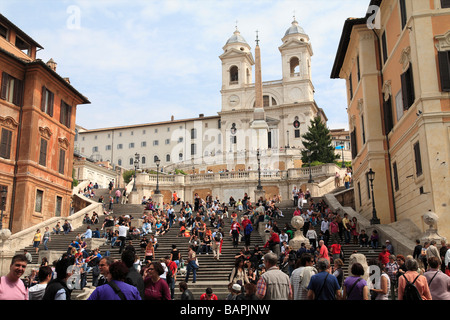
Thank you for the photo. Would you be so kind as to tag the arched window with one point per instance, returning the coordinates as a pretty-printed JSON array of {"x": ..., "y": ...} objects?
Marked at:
[
  {"x": 234, "y": 75},
  {"x": 168, "y": 157},
  {"x": 155, "y": 157},
  {"x": 143, "y": 160},
  {"x": 180, "y": 156},
  {"x": 294, "y": 66},
  {"x": 268, "y": 101}
]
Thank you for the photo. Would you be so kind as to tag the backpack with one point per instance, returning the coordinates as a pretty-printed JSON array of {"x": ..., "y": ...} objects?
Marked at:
[
  {"x": 169, "y": 275},
  {"x": 411, "y": 292},
  {"x": 218, "y": 236},
  {"x": 248, "y": 229}
]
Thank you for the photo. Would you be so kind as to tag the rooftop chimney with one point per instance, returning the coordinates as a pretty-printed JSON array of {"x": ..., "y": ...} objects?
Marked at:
[{"x": 51, "y": 64}]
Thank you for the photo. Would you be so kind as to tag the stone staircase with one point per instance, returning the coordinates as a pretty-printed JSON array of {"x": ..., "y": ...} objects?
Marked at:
[{"x": 212, "y": 273}]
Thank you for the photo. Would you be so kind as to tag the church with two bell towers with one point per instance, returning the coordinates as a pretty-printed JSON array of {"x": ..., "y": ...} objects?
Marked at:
[
  {"x": 286, "y": 105},
  {"x": 265, "y": 118}
]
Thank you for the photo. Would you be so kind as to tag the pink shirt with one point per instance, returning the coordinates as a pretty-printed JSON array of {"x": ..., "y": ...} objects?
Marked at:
[
  {"x": 324, "y": 252},
  {"x": 12, "y": 290}
]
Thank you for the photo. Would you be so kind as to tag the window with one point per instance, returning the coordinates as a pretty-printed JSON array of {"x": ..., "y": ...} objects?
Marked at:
[
  {"x": 180, "y": 139},
  {"x": 5, "y": 144},
  {"x": 388, "y": 121},
  {"x": 58, "y": 206},
  {"x": 143, "y": 143},
  {"x": 234, "y": 75},
  {"x": 297, "y": 133},
  {"x": 384, "y": 44},
  {"x": 350, "y": 86},
  {"x": 12, "y": 89},
  {"x": 62, "y": 159},
  {"x": 167, "y": 141},
  {"x": 403, "y": 15},
  {"x": 445, "y": 3},
  {"x": 65, "y": 115},
  {"x": 417, "y": 159},
  {"x": 43, "y": 152},
  {"x": 193, "y": 149},
  {"x": 47, "y": 101},
  {"x": 399, "y": 105},
  {"x": 156, "y": 130},
  {"x": 38, "y": 202},
  {"x": 3, "y": 197},
  {"x": 180, "y": 156},
  {"x": 155, "y": 142},
  {"x": 131, "y": 145},
  {"x": 131, "y": 161},
  {"x": 394, "y": 169},
  {"x": 363, "y": 130},
  {"x": 358, "y": 68},
  {"x": 108, "y": 147},
  {"x": 119, "y": 162},
  {"x": 3, "y": 32},
  {"x": 359, "y": 194},
  {"x": 143, "y": 131},
  {"x": 132, "y": 133},
  {"x": 94, "y": 149},
  {"x": 167, "y": 157},
  {"x": 444, "y": 68},
  {"x": 193, "y": 133},
  {"x": 353, "y": 143},
  {"x": 22, "y": 45},
  {"x": 120, "y": 146},
  {"x": 143, "y": 160},
  {"x": 294, "y": 64},
  {"x": 95, "y": 137},
  {"x": 408, "y": 88}
]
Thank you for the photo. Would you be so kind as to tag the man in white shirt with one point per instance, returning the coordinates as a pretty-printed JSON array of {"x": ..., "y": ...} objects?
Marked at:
[
  {"x": 122, "y": 236},
  {"x": 324, "y": 226}
]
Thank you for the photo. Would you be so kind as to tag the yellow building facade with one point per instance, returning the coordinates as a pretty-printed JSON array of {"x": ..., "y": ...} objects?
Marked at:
[{"x": 396, "y": 63}]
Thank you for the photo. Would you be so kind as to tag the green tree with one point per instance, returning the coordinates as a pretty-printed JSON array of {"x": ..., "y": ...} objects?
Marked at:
[
  {"x": 318, "y": 141},
  {"x": 127, "y": 175}
]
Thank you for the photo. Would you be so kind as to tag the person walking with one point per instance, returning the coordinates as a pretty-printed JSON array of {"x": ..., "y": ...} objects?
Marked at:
[
  {"x": 46, "y": 237},
  {"x": 438, "y": 281},
  {"x": 323, "y": 285},
  {"x": 355, "y": 287},
  {"x": 412, "y": 276},
  {"x": 191, "y": 265},
  {"x": 273, "y": 284},
  {"x": 37, "y": 240},
  {"x": 301, "y": 276},
  {"x": 116, "y": 288}
]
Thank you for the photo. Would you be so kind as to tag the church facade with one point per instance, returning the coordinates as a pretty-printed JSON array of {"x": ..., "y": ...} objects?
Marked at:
[{"x": 227, "y": 141}]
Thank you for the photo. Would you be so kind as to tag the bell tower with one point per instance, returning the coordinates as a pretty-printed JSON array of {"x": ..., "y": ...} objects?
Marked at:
[{"x": 237, "y": 64}]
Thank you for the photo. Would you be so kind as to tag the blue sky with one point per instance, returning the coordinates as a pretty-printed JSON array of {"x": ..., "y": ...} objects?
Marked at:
[{"x": 141, "y": 61}]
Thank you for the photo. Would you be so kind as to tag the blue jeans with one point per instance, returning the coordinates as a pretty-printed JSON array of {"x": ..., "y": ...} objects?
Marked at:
[
  {"x": 192, "y": 266},
  {"x": 45, "y": 244}
]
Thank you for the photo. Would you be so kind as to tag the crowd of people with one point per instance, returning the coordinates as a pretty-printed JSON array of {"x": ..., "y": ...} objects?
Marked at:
[{"x": 269, "y": 271}]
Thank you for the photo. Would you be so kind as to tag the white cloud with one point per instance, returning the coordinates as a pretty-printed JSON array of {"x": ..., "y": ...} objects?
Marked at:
[{"x": 155, "y": 58}]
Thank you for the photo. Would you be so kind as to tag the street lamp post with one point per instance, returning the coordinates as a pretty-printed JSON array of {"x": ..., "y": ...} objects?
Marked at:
[
  {"x": 157, "y": 161},
  {"x": 2, "y": 204},
  {"x": 343, "y": 163},
  {"x": 258, "y": 157},
  {"x": 310, "y": 173},
  {"x": 371, "y": 176},
  {"x": 136, "y": 166}
]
